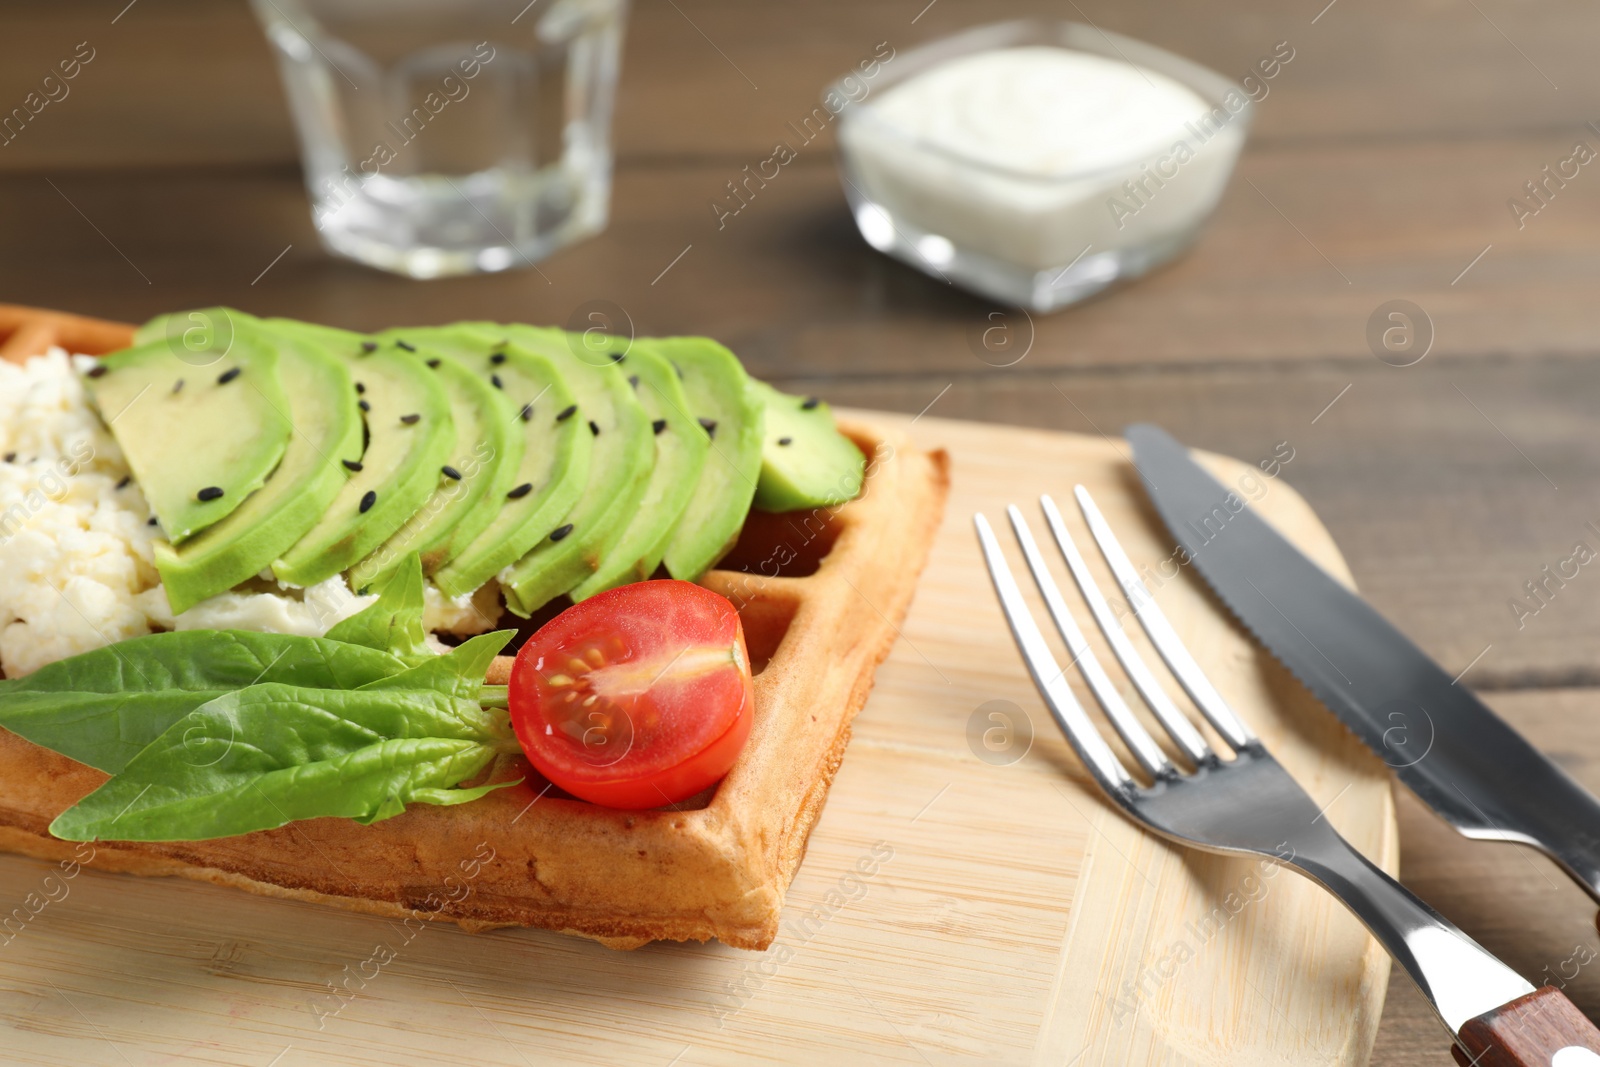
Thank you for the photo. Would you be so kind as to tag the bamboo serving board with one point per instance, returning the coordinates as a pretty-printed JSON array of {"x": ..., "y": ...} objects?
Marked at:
[{"x": 967, "y": 895}]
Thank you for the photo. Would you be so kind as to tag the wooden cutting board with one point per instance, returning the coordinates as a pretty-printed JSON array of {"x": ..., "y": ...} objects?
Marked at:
[{"x": 967, "y": 895}]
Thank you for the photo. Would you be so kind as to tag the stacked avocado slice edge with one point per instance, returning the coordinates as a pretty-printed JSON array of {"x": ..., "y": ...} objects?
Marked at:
[{"x": 558, "y": 464}]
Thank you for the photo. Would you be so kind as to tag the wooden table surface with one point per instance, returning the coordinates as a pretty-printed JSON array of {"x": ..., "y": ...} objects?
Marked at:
[{"x": 1380, "y": 168}]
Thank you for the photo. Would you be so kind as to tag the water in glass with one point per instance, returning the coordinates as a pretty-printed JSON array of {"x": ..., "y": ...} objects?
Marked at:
[{"x": 446, "y": 137}]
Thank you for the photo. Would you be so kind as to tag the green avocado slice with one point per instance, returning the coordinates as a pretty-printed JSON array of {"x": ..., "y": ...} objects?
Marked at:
[
  {"x": 805, "y": 461},
  {"x": 555, "y": 457},
  {"x": 327, "y": 429},
  {"x": 619, "y": 469},
  {"x": 486, "y": 454},
  {"x": 409, "y": 432},
  {"x": 681, "y": 446},
  {"x": 201, "y": 427},
  {"x": 719, "y": 391}
]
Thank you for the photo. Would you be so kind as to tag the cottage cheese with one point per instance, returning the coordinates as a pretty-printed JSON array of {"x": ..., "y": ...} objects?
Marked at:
[{"x": 77, "y": 569}]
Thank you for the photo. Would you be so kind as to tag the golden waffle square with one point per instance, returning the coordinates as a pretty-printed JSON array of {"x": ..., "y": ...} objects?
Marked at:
[{"x": 821, "y": 595}]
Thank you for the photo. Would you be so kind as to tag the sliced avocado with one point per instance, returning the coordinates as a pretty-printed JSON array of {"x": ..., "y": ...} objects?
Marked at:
[
  {"x": 619, "y": 469},
  {"x": 682, "y": 442},
  {"x": 485, "y": 455},
  {"x": 720, "y": 392},
  {"x": 553, "y": 462},
  {"x": 201, "y": 427},
  {"x": 327, "y": 430},
  {"x": 805, "y": 461},
  {"x": 409, "y": 434}
]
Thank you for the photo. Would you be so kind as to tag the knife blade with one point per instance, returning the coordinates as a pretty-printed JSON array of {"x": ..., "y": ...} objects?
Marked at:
[{"x": 1459, "y": 757}]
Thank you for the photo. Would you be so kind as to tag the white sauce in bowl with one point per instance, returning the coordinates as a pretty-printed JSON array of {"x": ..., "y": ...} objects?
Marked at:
[
  {"x": 1041, "y": 111},
  {"x": 1003, "y": 168}
]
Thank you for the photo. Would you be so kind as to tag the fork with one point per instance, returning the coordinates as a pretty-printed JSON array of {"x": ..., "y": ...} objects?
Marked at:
[{"x": 1249, "y": 804}]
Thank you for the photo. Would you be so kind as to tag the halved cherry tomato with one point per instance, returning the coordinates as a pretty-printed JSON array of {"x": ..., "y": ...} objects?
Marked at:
[{"x": 638, "y": 697}]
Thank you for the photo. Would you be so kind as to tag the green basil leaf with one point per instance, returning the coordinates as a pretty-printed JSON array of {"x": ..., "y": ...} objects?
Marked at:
[
  {"x": 271, "y": 754},
  {"x": 103, "y": 707},
  {"x": 394, "y": 623},
  {"x": 459, "y": 672}
]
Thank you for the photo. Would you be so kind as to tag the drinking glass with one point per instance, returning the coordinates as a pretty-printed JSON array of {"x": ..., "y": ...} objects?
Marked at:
[{"x": 444, "y": 137}]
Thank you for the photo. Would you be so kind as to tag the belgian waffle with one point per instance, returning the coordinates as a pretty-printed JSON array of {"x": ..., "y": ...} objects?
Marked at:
[{"x": 820, "y": 595}]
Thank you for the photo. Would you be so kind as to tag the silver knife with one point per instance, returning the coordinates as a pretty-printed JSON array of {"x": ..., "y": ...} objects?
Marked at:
[{"x": 1459, "y": 757}]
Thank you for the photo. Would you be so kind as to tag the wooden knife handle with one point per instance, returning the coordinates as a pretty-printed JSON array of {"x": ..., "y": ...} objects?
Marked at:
[{"x": 1542, "y": 1029}]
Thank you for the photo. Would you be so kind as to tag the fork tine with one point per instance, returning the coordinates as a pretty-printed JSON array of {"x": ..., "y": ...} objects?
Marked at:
[
  {"x": 1176, "y": 722},
  {"x": 1049, "y": 677},
  {"x": 1160, "y": 631},
  {"x": 1139, "y": 741}
]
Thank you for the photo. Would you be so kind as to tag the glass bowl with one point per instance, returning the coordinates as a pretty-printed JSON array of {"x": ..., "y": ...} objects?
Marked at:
[{"x": 1040, "y": 241}]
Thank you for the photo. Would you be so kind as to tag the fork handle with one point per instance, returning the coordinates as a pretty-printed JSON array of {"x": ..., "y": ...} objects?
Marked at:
[
  {"x": 1533, "y": 1028},
  {"x": 1542, "y": 1029}
]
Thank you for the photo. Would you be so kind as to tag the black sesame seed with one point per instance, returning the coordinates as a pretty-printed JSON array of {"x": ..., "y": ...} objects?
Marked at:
[
  {"x": 786, "y": 441},
  {"x": 152, "y": 521},
  {"x": 618, "y": 357},
  {"x": 363, "y": 405},
  {"x": 361, "y": 387},
  {"x": 494, "y": 380},
  {"x": 402, "y": 344},
  {"x": 526, "y": 412},
  {"x": 433, "y": 363},
  {"x": 633, "y": 380},
  {"x": 351, "y": 464},
  {"x": 567, "y": 413},
  {"x": 451, "y": 473},
  {"x": 498, "y": 358},
  {"x": 229, "y": 375},
  {"x": 210, "y": 492},
  {"x": 98, "y": 370},
  {"x": 368, "y": 500},
  {"x": 560, "y": 532},
  {"x": 369, "y": 346},
  {"x": 659, "y": 425},
  {"x": 177, "y": 387},
  {"x": 593, "y": 428},
  {"x": 709, "y": 426},
  {"x": 520, "y": 491},
  {"x": 11, "y": 457},
  {"x": 127, "y": 480},
  {"x": 808, "y": 403},
  {"x": 410, "y": 420}
]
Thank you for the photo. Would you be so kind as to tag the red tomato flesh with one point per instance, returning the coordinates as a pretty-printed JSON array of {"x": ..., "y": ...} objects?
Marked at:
[{"x": 637, "y": 697}]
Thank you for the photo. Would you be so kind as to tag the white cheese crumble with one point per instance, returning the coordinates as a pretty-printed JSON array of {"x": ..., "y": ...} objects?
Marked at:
[
  {"x": 312, "y": 614},
  {"x": 77, "y": 570}
]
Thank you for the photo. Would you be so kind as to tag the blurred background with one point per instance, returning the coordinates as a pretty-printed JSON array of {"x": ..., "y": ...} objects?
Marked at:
[{"x": 1383, "y": 164}]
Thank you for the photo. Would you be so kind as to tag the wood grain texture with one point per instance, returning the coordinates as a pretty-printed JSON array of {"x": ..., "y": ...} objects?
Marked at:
[
  {"x": 1432, "y": 478},
  {"x": 1439, "y": 513},
  {"x": 1392, "y": 142},
  {"x": 791, "y": 286},
  {"x": 1513, "y": 901},
  {"x": 182, "y": 82},
  {"x": 1009, "y": 916},
  {"x": 1531, "y": 1031}
]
